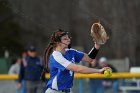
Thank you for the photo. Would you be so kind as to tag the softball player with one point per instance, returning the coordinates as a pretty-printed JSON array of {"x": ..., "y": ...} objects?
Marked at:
[{"x": 60, "y": 60}]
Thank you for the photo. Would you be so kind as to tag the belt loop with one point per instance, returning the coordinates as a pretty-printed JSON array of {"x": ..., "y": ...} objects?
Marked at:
[{"x": 66, "y": 90}]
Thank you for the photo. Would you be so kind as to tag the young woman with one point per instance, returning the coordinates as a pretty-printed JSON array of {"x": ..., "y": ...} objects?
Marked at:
[{"x": 60, "y": 59}]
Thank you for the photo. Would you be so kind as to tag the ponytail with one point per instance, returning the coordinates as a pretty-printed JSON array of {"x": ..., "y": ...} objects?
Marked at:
[{"x": 46, "y": 56}]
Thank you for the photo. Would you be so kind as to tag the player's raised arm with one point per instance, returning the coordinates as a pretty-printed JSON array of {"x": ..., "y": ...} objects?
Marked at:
[{"x": 91, "y": 56}]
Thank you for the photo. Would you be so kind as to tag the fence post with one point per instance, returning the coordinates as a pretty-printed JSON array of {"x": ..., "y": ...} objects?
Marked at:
[{"x": 80, "y": 85}]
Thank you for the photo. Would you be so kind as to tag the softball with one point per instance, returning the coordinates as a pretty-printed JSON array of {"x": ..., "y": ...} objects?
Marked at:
[{"x": 108, "y": 72}]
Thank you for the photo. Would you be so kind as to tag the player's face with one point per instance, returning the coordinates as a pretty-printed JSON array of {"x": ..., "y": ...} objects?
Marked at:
[
  {"x": 18, "y": 61},
  {"x": 32, "y": 53},
  {"x": 65, "y": 40}
]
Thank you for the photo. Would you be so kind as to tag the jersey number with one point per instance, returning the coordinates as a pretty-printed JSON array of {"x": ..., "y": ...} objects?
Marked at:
[{"x": 70, "y": 73}]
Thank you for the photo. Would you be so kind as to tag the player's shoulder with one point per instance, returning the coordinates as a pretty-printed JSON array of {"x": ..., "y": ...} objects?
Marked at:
[
  {"x": 55, "y": 54},
  {"x": 70, "y": 50}
]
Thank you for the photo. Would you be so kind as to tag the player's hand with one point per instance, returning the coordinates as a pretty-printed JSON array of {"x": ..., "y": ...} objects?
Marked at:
[
  {"x": 97, "y": 46},
  {"x": 103, "y": 69},
  {"x": 19, "y": 85}
]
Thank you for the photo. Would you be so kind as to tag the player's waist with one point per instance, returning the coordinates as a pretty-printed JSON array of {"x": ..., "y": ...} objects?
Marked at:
[{"x": 63, "y": 90}]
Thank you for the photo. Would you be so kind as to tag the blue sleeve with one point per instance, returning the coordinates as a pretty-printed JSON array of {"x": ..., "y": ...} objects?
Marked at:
[{"x": 78, "y": 56}]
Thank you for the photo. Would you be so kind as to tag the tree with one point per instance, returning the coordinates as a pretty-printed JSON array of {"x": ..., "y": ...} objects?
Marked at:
[{"x": 9, "y": 30}]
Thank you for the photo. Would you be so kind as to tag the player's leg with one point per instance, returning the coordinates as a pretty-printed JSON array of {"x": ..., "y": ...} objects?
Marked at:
[
  {"x": 115, "y": 86},
  {"x": 51, "y": 91},
  {"x": 29, "y": 87},
  {"x": 54, "y": 91},
  {"x": 39, "y": 87}
]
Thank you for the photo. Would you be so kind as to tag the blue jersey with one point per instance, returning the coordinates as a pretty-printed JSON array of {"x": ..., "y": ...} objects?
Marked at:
[
  {"x": 60, "y": 77},
  {"x": 30, "y": 69}
]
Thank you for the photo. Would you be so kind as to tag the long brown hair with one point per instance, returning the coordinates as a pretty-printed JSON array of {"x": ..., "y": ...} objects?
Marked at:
[{"x": 56, "y": 37}]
